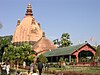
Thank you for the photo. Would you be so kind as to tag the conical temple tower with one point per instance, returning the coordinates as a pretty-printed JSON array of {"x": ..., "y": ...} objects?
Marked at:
[{"x": 28, "y": 30}]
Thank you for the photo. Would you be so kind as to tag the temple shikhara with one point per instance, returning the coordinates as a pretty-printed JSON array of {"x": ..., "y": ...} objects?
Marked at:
[{"x": 28, "y": 30}]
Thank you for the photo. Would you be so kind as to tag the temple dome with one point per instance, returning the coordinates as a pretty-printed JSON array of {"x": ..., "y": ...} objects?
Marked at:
[{"x": 43, "y": 45}]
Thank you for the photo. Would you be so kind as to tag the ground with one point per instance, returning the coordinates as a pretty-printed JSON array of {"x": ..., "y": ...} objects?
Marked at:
[{"x": 68, "y": 70}]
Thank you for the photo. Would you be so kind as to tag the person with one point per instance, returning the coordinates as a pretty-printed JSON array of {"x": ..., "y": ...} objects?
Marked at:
[
  {"x": 4, "y": 69},
  {"x": 8, "y": 69},
  {"x": 31, "y": 67},
  {"x": 40, "y": 66},
  {"x": 34, "y": 72},
  {"x": 29, "y": 73},
  {"x": 46, "y": 67},
  {"x": 24, "y": 64}
]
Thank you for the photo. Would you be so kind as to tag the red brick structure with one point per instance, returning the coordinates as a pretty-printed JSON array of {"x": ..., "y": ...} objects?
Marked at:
[
  {"x": 79, "y": 53},
  {"x": 86, "y": 48}
]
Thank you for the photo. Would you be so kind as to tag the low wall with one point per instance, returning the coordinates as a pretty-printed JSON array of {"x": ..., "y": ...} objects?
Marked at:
[{"x": 87, "y": 64}]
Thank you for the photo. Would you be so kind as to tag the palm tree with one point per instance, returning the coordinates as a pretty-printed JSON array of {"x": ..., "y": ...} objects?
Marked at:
[
  {"x": 56, "y": 42},
  {"x": 65, "y": 40}
]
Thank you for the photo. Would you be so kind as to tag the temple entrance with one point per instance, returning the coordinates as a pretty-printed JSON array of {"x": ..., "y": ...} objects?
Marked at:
[{"x": 85, "y": 56}]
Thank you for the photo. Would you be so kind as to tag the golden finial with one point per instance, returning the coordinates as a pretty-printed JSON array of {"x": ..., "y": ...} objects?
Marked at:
[{"x": 29, "y": 10}]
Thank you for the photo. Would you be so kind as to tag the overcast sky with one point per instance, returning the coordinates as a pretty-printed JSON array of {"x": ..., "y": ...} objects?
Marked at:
[{"x": 79, "y": 18}]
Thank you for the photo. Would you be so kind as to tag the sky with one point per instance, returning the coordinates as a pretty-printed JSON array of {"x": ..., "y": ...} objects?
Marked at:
[{"x": 79, "y": 18}]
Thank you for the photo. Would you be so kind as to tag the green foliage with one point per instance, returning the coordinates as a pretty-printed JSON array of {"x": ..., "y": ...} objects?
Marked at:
[
  {"x": 56, "y": 42},
  {"x": 12, "y": 53},
  {"x": 64, "y": 40},
  {"x": 61, "y": 59},
  {"x": 9, "y": 53},
  {"x": 19, "y": 54},
  {"x": 42, "y": 58},
  {"x": 98, "y": 53},
  {"x": 66, "y": 60},
  {"x": 94, "y": 47},
  {"x": 27, "y": 52},
  {"x": 4, "y": 42},
  {"x": 24, "y": 53}
]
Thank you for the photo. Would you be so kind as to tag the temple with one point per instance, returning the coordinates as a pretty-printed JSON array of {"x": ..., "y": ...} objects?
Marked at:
[{"x": 28, "y": 30}]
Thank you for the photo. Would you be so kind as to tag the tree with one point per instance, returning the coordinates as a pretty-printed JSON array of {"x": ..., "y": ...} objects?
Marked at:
[
  {"x": 98, "y": 53},
  {"x": 27, "y": 53},
  {"x": 9, "y": 54},
  {"x": 56, "y": 42},
  {"x": 42, "y": 58},
  {"x": 12, "y": 53},
  {"x": 19, "y": 54},
  {"x": 4, "y": 42},
  {"x": 64, "y": 40}
]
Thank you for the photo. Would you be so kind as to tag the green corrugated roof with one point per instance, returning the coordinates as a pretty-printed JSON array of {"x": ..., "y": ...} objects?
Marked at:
[{"x": 63, "y": 51}]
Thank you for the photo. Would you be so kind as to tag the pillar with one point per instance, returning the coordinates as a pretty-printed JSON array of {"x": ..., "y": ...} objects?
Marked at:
[
  {"x": 76, "y": 58},
  {"x": 51, "y": 59},
  {"x": 69, "y": 58},
  {"x": 57, "y": 59}
]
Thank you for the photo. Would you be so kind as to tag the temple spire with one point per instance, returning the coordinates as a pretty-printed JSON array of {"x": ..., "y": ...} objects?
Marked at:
[
  {"x": 29, "y": 10},
  {"x": 18, "y": 22}
]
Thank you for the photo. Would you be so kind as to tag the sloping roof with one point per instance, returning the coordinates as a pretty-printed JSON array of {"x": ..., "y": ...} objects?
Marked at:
[
  {"x": 63, "y": 51},
  {"x": 43, "y": 44}
]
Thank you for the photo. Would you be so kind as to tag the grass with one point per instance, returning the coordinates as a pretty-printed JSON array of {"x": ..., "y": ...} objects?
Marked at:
[{"x": 93, "y": 70}]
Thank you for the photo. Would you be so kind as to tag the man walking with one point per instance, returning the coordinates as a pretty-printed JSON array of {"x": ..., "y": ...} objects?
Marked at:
[{"x": 40, "y": 66}]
